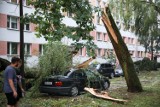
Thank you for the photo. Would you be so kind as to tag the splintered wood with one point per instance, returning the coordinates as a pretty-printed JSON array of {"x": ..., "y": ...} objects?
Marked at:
[{"x": 102, "y": 94}]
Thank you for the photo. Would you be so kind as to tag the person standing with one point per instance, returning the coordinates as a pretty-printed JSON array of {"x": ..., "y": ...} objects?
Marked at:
[
  {"x": 10, "y": 83},
  {"x": 20, "y": 89}
]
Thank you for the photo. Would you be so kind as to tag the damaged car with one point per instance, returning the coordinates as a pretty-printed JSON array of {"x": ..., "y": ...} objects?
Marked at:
[{"x": 73, "y": 82}]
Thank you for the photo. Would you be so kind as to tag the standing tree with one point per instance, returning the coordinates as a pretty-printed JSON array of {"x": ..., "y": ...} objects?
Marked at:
[
  {"x": 141, "y": 17},
  {"x": 122, "y": 52}
]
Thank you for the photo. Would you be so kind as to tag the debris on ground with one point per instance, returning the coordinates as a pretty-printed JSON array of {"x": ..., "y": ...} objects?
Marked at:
[{"x": 102, "y": 94}]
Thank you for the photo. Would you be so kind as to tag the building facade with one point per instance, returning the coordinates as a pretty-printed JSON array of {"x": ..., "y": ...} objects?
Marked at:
[{"x": 33, "y": 46}]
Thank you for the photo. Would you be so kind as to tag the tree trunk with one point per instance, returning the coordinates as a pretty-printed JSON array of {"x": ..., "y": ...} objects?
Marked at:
[
  {"x": 152, "y": 48},
  {"x": 3, "y": 64},
  {"x": 122, "y": 52}
]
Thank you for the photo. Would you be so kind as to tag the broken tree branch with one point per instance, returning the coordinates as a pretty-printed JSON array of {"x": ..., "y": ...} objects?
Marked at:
[{"x": 103, "y": 94}]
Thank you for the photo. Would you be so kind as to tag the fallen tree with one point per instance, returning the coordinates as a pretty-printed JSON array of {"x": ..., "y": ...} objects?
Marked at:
[{"x": 122, "y": 52}]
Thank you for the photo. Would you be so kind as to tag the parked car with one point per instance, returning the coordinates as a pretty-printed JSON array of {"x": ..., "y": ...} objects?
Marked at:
[
  {"x": 106, "y": 69},
  {"x": 118, "y": 71},
  {"x": 73, "y": 82}
]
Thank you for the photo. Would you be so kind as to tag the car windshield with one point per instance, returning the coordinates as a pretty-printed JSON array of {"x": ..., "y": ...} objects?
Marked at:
[{"x": 67, "y": 73}]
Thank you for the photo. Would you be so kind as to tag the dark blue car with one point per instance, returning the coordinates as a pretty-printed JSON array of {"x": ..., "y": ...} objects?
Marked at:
[{"x": 73, "y": 82}]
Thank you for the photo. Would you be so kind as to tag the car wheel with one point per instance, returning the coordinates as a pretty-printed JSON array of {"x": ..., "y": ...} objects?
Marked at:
[
  {"x": 105, "y": 85},
  {"x": 111, "y": 75},
  {"x": 74, "y": 91}
]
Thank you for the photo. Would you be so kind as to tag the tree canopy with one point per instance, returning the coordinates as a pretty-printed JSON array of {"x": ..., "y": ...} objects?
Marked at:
[
  {"x": 141, "y": 17},
  {"x": 49, "y": 16}
]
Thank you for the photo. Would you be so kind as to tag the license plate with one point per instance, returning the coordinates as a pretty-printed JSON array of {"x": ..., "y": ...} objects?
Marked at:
[{"x": 48, "y": 83}]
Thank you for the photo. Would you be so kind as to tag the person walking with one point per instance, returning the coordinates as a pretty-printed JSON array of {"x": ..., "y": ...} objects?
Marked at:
[{"x": 10, "y": 83}]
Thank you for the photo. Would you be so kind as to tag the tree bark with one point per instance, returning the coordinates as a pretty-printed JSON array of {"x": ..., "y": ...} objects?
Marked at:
[
  {"x": 151, "y": 48},
  {"x": 3, "y": 64},
  {"x": 122, "y": 52}
]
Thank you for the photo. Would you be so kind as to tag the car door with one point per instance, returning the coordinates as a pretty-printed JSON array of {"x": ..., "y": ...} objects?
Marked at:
[
  {"x": 80, "y": 78},
  {"x": 107, "y": 69}
]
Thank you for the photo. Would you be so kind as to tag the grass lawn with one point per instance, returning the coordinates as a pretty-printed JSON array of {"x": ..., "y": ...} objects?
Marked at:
[{"x": 150, "y": 97}]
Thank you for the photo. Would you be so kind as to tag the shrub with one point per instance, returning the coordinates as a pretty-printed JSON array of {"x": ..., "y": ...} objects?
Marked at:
[
  {"x": 56, "y": 59},
  {"x": 146, "y": 64},
  {"x": 158, "y": 64}
]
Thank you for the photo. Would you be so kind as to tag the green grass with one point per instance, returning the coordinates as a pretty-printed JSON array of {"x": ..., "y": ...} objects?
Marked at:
[{"x": 150, "y": 97}]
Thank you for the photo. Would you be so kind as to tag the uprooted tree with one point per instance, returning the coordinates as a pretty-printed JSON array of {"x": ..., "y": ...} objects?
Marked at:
[{"x": 122, "y": 52}]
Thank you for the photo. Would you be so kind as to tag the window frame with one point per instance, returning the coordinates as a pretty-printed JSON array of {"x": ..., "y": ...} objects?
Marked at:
[
  {"x": 25, "y": 2},
  {"x": 99, "y": 52},
  {"x": 98, "y": 20},
  {"x": 80, "y": 52},
  {"x": 14, "y": 2},
  {"x": 27, "y": 48},
  {"x": 98, "y": 36},
  {"x": 10, "y": 49},
  {"x": 25, "y": 27},
  {"x": 41, "y": 49},
  {"x": 104, "y": 37},
  {"x": 10, "y": 22}
]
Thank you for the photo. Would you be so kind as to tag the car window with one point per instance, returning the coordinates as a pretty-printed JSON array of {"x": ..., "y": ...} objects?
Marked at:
[
  {"x": 103, "y": 65},
  {"x": 77, "y": 74},
  {"x": 67, "y": 72}
]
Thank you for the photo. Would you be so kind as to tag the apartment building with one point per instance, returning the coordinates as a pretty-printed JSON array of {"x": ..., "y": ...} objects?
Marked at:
[{"x": 10, "y": 36}]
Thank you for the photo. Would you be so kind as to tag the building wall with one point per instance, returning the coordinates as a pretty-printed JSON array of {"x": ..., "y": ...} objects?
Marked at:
[
  {"x": 12, "y": 35},
  {"x": 3, "y": 47}
]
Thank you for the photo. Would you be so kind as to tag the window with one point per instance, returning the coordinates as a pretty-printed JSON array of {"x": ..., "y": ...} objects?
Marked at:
[
  {"x": 41, "y": 49},
  {"x": 27, "y": 49},
  {"x": 98, "y": 36},
  {"x": 104, "y": 34},
  {"x": 12, "y": 48},
  {"x": 27, "y": 27},
  {"x": 106, "y": 53},
  {"x": 132, "y": 40},
  {"x": 124, "y": 39},
  {"x": 14, "y": 1},
  {"x": 99, "y": 52},
  {"x": 25, "y": 2},
  {"x": 80, "y": 52},
  {"x": 12, "y": 22},
  {"x": 129, "y": 40},
  {"x": 139, "y": 54},
  {"x": 87, "y": 54},
  {"x": 98, "y": 2},
  {"x": 98, "y": 20}
]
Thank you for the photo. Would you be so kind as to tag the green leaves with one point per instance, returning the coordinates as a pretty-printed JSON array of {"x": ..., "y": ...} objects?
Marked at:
[
  {"x": 139, "y": 15},
  {"x": 49, "y": 14}
]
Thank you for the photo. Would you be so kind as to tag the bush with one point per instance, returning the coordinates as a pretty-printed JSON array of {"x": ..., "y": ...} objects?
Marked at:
[
  {"x": 158, "y": 64},
  {"x": 56, "y": 59},
  {"x": 31, "y": 73},
  {"x": 146, "y": 64}
]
